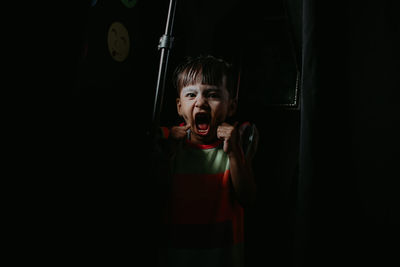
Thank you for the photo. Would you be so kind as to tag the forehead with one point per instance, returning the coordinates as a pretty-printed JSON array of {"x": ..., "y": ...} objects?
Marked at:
[{"x": 200, "y": 87}]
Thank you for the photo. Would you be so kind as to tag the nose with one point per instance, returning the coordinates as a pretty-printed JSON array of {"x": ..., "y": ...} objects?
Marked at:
[{"x": 201, "y": 102}]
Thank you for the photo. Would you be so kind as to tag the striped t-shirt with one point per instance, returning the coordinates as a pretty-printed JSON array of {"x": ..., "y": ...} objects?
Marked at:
[{"x": 203, "y": 219}]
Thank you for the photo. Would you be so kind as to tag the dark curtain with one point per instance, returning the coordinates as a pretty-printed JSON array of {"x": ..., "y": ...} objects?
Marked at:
[{"x": 347, "y": 195}]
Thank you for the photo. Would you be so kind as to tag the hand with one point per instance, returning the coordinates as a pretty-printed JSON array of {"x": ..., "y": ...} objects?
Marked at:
[
  {"x": 229, "y": 134},
  {"x": 179, "y": 132}
]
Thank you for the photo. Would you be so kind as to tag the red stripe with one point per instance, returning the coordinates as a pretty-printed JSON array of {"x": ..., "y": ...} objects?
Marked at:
[
  {"x": 195, "y": 195},
  {"x": 205, "y": 199},
  {"x": 165, "y": 131}
]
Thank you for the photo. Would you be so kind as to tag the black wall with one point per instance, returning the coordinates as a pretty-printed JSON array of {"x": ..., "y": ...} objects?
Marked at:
[{"x": 347, "y": 202}]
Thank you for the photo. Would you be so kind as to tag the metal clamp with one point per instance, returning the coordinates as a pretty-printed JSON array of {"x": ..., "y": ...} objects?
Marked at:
[{"x": 166, "y": 41}]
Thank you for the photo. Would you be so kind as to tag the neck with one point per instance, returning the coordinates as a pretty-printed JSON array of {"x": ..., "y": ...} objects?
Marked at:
[{"x": 202, "y": 140}]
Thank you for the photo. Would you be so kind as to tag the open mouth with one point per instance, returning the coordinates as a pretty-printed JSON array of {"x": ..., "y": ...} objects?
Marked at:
[{"x": 202, "y": 121}]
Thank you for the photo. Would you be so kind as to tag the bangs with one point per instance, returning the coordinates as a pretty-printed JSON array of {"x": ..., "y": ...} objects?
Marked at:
[
  {"x": 200, "y": 74},
  {"x": 190, "y": 76},
  {"x": 206, "y": 70}
]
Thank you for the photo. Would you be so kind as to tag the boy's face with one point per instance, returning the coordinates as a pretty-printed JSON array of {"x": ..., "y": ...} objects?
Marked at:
[{"x": 204, "y": 107}]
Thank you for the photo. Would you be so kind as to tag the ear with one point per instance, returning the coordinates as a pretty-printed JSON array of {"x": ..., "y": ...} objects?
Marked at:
[
  {"x": 178, "y": 106},
  {"x": 232, "y": 107}
]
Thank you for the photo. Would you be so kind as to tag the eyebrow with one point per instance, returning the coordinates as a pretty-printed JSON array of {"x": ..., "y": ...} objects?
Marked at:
[
  {"x": 213, "y": 90},
  {"x": 208, "y": 88}
]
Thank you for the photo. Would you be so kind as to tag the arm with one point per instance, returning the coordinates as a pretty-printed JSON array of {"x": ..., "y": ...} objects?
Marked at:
[
  {"x": 240, "y": 164},
  {"x": 170, "y": 137},
  {"x": 174, "y": 132}
]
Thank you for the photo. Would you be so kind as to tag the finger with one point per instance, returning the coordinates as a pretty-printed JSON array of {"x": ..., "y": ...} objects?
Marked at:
[
  {"x": 186, "y": 127},
  {"x": 226, "y": 146},
  {"x": 220, "y": 134}
]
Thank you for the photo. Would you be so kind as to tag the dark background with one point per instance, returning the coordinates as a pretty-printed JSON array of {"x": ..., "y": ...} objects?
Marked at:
[
  {"x": 347, "y": 204},
  {"x": 325, "y": 168}
]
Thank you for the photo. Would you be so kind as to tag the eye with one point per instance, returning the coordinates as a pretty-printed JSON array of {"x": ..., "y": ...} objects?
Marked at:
[
  {"x": 213, "y": 95},
  {"x": 190, "y": 95}
]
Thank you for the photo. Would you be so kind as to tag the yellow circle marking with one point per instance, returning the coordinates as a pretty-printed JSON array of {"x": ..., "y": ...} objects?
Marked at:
[{"x": 118, "y": 41}]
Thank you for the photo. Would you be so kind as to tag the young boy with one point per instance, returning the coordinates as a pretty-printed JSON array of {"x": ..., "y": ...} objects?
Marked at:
[{"x": 211, "y": 172}]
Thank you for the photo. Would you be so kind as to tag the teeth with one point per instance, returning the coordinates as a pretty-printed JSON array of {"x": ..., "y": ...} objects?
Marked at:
[{"x": 202, "y": 121}]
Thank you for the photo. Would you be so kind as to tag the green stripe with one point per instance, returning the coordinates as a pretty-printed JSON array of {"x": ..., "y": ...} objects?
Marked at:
[{"x": 201, "y": 161}]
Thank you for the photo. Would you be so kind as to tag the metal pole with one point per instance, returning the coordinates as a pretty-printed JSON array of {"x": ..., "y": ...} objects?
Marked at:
[{"x": 165, "y": 46}]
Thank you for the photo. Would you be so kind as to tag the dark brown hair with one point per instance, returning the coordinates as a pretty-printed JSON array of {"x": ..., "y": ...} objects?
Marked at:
[{"x": 206, "y": 70}]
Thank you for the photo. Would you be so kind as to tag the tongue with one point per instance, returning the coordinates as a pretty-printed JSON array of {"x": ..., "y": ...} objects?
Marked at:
[{"x": 202, "y": 126}]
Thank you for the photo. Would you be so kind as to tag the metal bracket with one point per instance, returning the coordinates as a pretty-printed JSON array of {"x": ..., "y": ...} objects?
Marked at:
[{"x": 166, "y": 41}]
